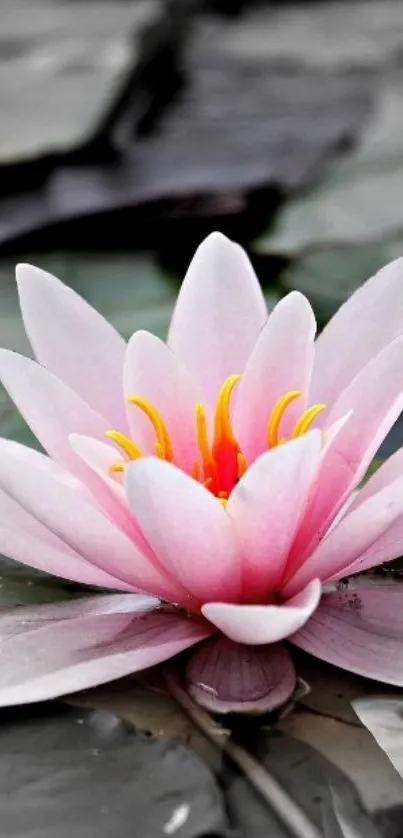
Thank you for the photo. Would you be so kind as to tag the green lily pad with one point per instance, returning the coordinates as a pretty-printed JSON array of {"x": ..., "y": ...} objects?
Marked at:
[
  {"x": 63, "y": 68},
  {"x": 20, "y": 585},
  {"x": 359, "y": 200},
  {"x": 67, "y": 771},
  {"x": 339, "y": 234}
]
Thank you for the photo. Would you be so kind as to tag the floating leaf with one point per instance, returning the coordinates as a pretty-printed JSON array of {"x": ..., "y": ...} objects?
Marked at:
[
  {"x": 384, "y": 719},
  {"x": 21, "y": 585},
  {"x": 307, "y": 777},
  {"x": 339, "y": 821},
  {"x": 66, "y": 771},
  {"x": 63, "y": 68}
]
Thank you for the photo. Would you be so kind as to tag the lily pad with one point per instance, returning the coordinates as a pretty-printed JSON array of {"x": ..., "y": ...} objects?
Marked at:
[
  {"x": 63, "y": 66},
  {"x": 339, "y": 234},
  {"x": 66, "y": 771},
  {"x": 22, "y": 586},
  {"x": 239, "y": 124},
  {"x": 383, "y": 716},
  {"x": 309, "y": 779},
  {"x": 329, "y": 275},
  {"x": 324, "y": 35},
  {"x": 325, "y": 721}
]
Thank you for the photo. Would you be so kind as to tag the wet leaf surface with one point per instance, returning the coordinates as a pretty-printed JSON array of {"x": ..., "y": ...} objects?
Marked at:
[
  {"x": 239, "y": 124},
  {"x": 21, "y": 585},
  {"x": 324, "y": 35},
  {"x": 307, "y": 776},
  {"x": 68, "y": 772},
  {"x": 63, "y": 68},
  {"x": 383, "y": 716},
  {"x": 323, "y": 720}
]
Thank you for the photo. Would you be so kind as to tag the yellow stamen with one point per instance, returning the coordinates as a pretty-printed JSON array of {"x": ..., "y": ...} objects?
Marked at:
[
  {"x": 202, "y": 436},
  {"x": 223, "y": 501},
  {"x": 241, "y": 464},
  {"x": 159, "y": 450},
  {"x": 222, "y": 420},
  {"x": 305, "y": 421},
  {"x": 165, "y": 449},
  {"x": 116, "y": 467},
  {"x": 130, "y": 448},
  {"x": 277, "y": 414}
]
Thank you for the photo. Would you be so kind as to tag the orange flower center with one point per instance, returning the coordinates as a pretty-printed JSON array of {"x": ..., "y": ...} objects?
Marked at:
[{"x": 220, "y": 462}]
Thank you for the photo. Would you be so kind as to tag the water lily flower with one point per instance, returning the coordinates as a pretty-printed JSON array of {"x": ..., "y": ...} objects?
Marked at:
[{"x": 208, "y": 484}]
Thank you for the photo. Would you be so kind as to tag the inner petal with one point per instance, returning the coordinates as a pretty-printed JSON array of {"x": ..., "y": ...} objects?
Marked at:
[{"x": 219, "y": 463}]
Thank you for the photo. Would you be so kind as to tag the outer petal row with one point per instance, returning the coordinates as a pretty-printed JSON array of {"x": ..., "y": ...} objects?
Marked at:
[
  {"x": 359, "y": 629},
  {"x": 62, "y": 648}
]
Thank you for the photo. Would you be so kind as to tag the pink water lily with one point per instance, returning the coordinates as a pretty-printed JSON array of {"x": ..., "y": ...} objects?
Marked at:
[{"x": 209, "y": 484}]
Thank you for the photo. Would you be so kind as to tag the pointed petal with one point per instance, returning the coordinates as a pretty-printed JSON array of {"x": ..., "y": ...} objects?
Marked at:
[
  {"x": 67, "y": 651},
  {"x": 154, "y": 372},
  {"x": 259, "y": 624},
  {"x": 79, "y": 524},
  {"x": 219, "y": 313},
  {"x": 51, "y": 409},
  {"x": 15, "y": 621},
  {"x": 100, "y": 457},
  {"x": 187, "y": 528},
  {"x": 53, "y": 412},
  {"x": 266, "y": 508},
  {"x": 73, "y": 341},
  {"x": 389, "y": 471},
  {"x": 357, "y": 535},
  {"x": 26, "y": 540},
  {"x": 359, "y": 629},
  {"x": 226, "y": 677},
  {"x": 375, "y": 400},
  {"x": 362, "y": 327},
  {"x": 281, "y": 361},
  {"x": 38, "y": 460}
]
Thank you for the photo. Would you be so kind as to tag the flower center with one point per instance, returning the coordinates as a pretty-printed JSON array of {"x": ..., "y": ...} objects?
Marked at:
[{"x": 220, "y": 462}]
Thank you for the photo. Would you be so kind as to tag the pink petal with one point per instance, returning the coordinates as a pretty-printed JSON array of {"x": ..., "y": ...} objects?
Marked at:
[
  {"x": 73, "y": 341},
  {"x": 375, "y": 398},
  {"x": 53, "y": 412},
  {"x": 281, "y": 361},
  {"x": 389, "y": 471},
  {"x": 357, "y": 535},
  {"x": 258, "y": 624},
  {"x": 40, "y": 616},
  {"x": 226, "y": 677},
  {"x": 154, "y": 372},
  {"x": 266, "y": 507},
  {"x": 389, "y": 544},
  {"x": 80, "y": 525},
  {"x": 100, "y": 457},
  {"x": 359, "y": 629},
  {"x": 26, "y": 540},
  {"x": 219, "y": 313},
  {"x": 65, "y": 651},
  {"x": 51, "y": 409},
  {"x": 362, "y": 327},
  {"x": 40, "y": 461},
  {"x": 187, "y": 528}
]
